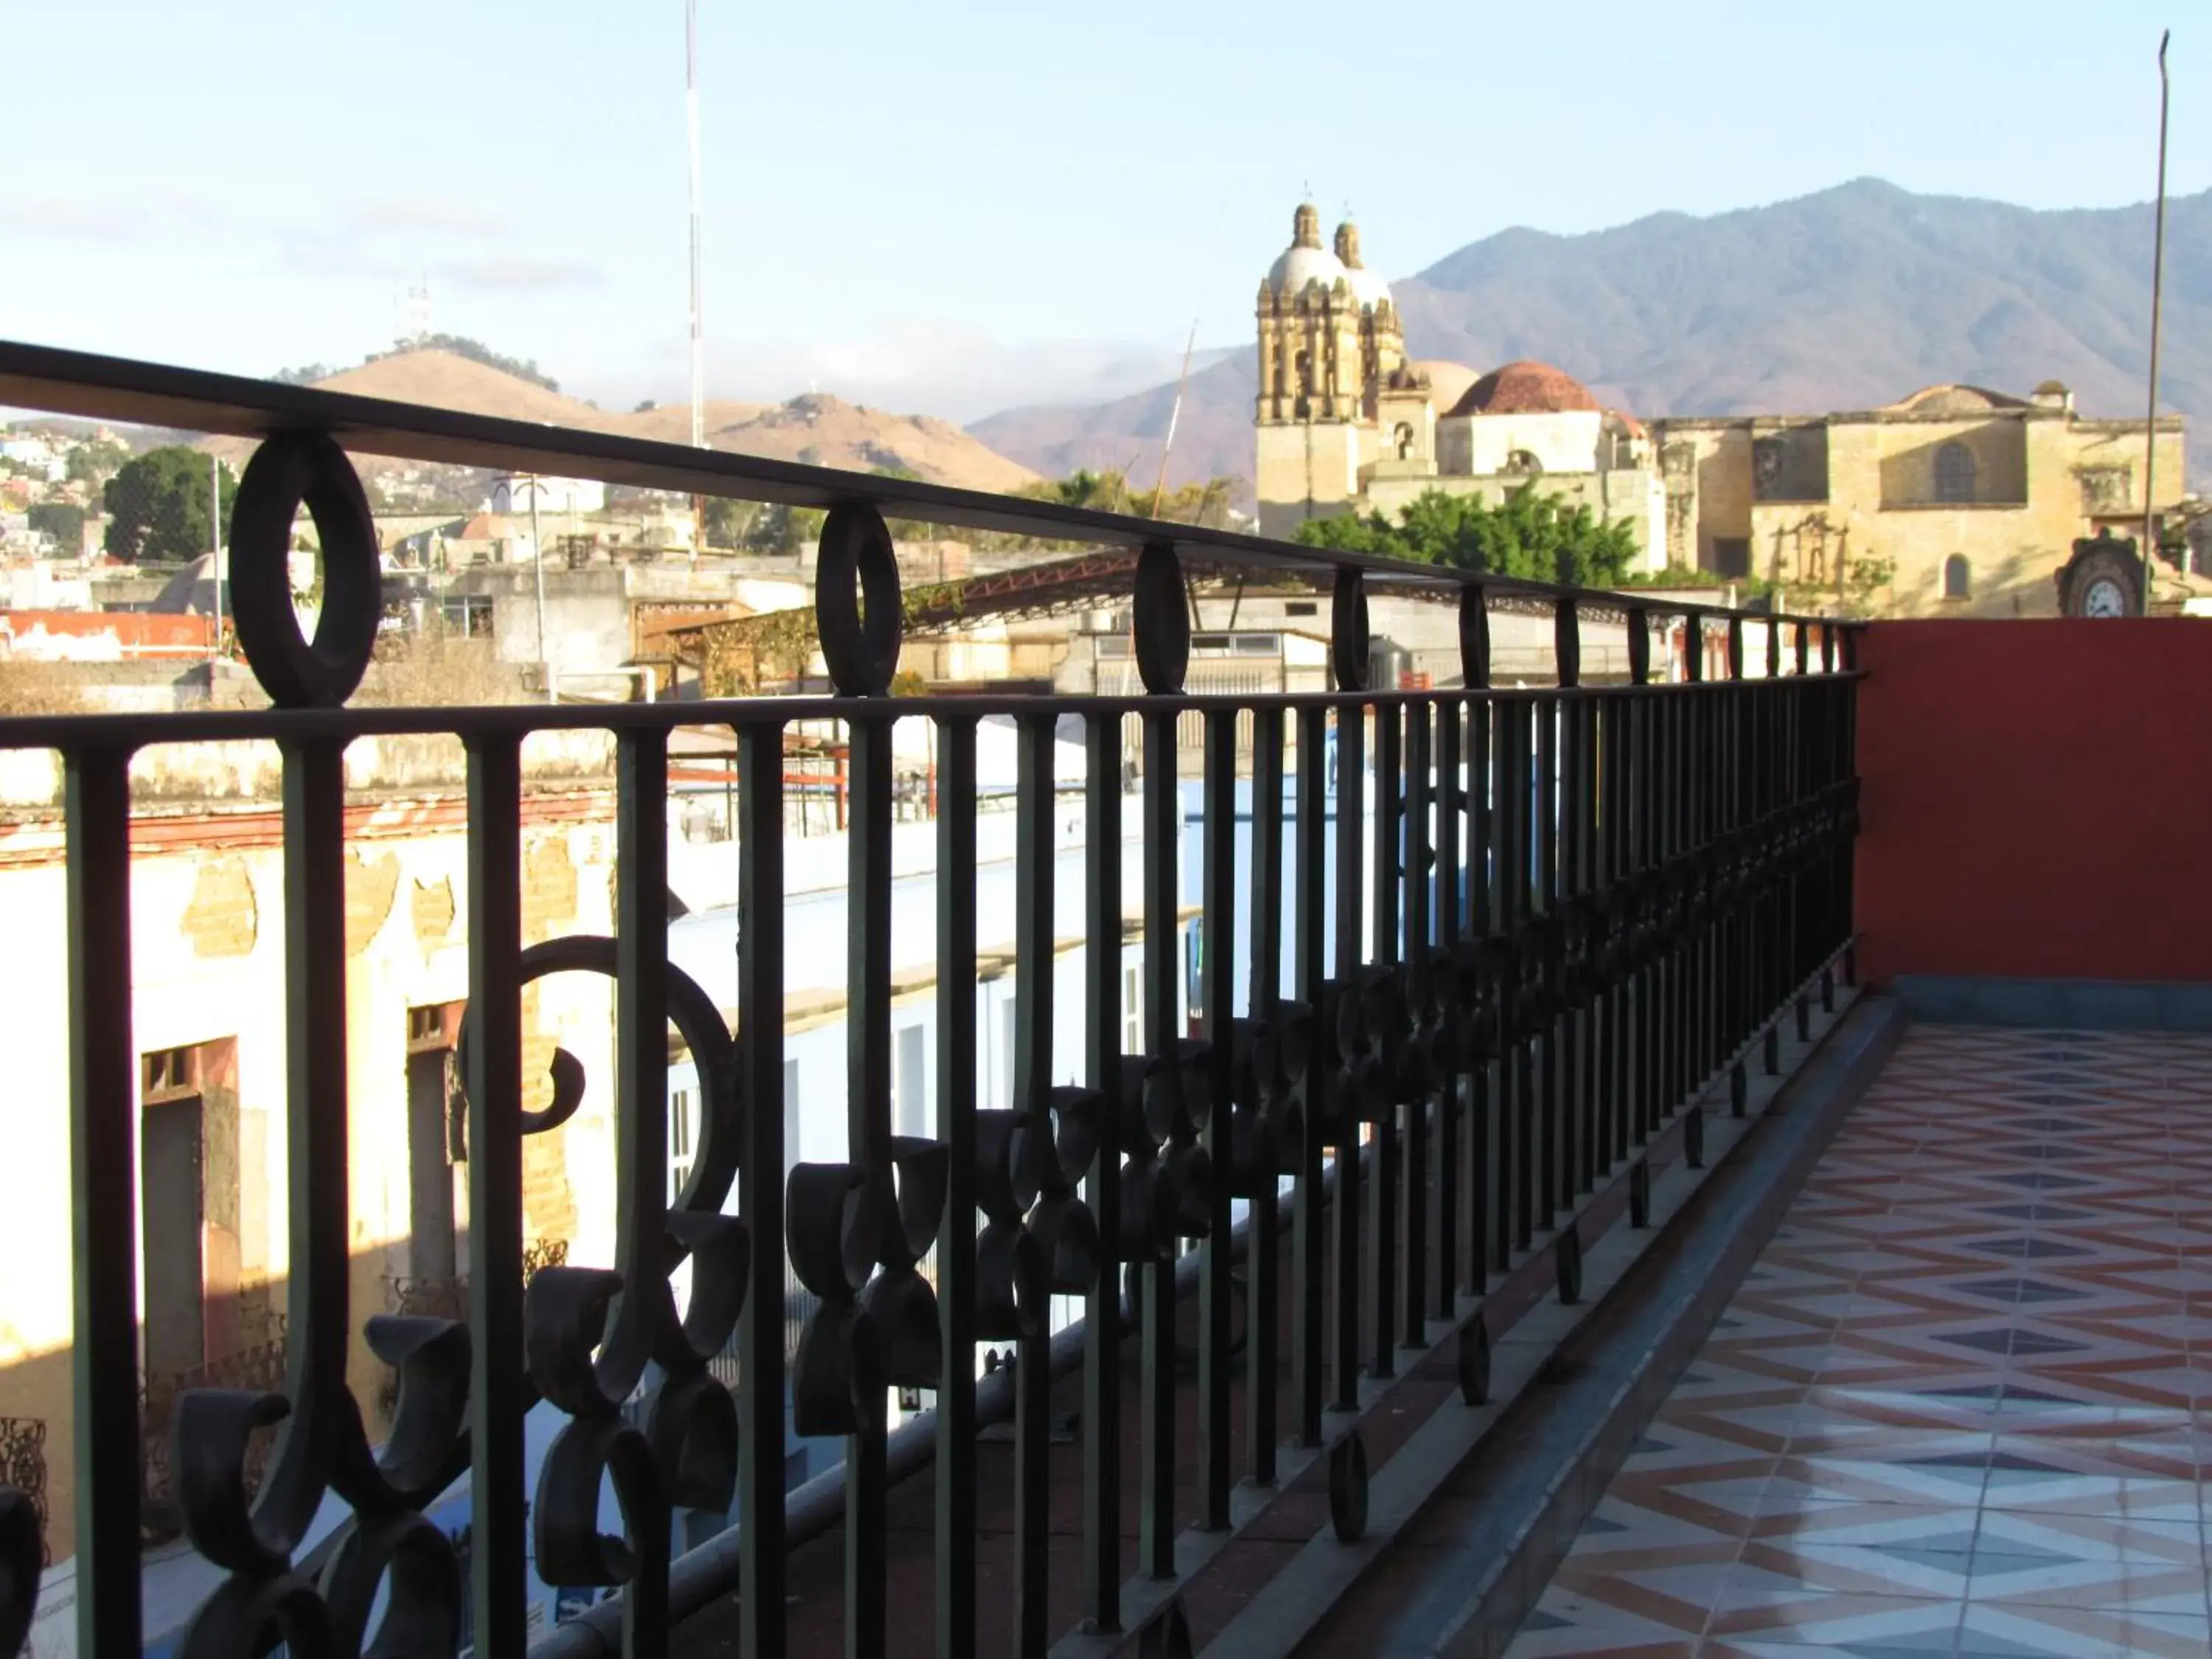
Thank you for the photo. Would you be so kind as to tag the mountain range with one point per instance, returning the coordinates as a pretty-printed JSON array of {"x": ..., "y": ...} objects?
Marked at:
[{"x": 1848, "y": 299}]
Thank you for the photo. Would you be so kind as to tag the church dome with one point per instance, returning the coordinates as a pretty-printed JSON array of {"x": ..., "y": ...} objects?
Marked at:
[
  {"x": 1297, "y": 266},
  {"x": 1305, "y": 260},
  {"x": 1368, "y": 287},
  {"x": 1527, "y": 388},
  {"x": 1448, "y": 380}
]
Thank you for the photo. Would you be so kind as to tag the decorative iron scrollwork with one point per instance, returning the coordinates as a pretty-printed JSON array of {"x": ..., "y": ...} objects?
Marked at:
[
  {"x": 1167, "y": 1177},
  {"x": 1267, "y": 1106},
  {"x": 1039, "y": 1239},
  {"x": 872, "y": 1330},
  {"x": 1350, "y": 652},
  {"x": 857, "y": 601},
  {"x": 290, "y": 470},
  {"x": 590, "y": 1334},
  {"x": 1160, "y": 614}
]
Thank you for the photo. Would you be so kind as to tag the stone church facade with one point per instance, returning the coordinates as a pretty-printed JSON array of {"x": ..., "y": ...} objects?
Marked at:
[{"x": 1965, "y": 501}]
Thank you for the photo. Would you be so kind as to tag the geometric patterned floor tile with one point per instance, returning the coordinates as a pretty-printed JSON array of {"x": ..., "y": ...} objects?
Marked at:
[{"x": 1955, "y": 1408}]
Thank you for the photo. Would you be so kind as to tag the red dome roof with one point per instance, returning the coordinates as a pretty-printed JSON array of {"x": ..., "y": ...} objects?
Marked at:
[{"x": 1526, "y": 388}]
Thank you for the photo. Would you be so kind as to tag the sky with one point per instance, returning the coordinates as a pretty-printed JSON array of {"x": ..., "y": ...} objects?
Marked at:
[{"x": 953, "y": 209}]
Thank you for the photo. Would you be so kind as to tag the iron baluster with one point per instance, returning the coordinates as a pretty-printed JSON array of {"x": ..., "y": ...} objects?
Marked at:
[
  {"x": 1308, "y": 1246},
  {"x": 956, "y": 1258},
  {"x": 498, "y": 1562},
  {"x": 1102, "y": 1066},
  {"x": 1276, "y": 1128},
  {"x": 103, "y": 1192},
  {"x": 1383, "y": 993},
  {"x": 1218, "y": 979},
  {"x": 761, "y": 1189}
]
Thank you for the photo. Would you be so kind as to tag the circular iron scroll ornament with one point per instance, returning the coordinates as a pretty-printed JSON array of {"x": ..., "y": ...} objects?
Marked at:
[
  {"x": 1161, "y": 619},
  {"x": 1474, "y": 637},
  {"x": 289, "y": 470},
  {"x": 856, "y": 601},
  {"x": 1348, "y": 639}
]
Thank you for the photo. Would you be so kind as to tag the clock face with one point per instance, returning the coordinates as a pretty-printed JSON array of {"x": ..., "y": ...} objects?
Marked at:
[{"x": 2105, "y": 598}]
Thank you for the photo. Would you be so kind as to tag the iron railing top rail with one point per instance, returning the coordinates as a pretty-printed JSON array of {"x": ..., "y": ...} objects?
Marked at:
[
  {"x": 94, "y": 386},
  {"x": 133, "y": 731}
]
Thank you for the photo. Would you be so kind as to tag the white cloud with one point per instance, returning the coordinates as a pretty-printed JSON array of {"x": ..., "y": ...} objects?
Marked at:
[{"x": 520, "y": 274}]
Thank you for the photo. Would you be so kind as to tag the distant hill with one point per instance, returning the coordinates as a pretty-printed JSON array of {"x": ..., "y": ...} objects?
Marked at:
[
  {"x": 1212, "y": 437},
  {"x": 1847, "y": 299},
  {"x": 816, "y": 428}
]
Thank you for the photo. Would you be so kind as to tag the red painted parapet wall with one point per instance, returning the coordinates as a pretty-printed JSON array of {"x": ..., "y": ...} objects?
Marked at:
[{"x": 2037, "y": 799}]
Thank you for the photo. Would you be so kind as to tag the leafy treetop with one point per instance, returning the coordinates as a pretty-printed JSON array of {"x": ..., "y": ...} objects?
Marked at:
[
  {"x": 157, "y": 506},
  {"x": 1535, "y": 536}
]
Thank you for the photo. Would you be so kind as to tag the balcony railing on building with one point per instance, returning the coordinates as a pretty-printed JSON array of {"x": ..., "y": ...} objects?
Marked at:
[{"x": 1493, "y": 940}]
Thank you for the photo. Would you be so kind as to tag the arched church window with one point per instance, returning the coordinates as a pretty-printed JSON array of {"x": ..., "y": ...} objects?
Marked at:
[
  {"x": 1523, "y": 461},
  {"x": 1958, "y": 578},
  {"x": 1954, "y": 472},
  {"x": 1402, "y": 439}
]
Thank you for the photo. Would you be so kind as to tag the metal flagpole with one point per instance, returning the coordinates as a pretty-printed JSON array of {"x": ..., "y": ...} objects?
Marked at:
[
  {"x": 2157, "y": 288},
  {"x": 698, "y": 331}
]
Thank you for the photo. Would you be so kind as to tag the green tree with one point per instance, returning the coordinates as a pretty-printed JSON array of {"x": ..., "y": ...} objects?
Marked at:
[
  {"x": 157, "y": 507},
  {"x": 726, "y": 522},
  {"x": 95, "y": 462},
  {"x": 1538, "y": 538},
  {"x": 62, "y": 520}
]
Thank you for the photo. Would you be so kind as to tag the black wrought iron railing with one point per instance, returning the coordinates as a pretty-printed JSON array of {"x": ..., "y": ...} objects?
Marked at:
[{"x": 1535, "y": 922}]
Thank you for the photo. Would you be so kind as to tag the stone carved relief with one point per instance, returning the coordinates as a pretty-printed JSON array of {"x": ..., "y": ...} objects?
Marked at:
[{"x": 2106, "y": 489}]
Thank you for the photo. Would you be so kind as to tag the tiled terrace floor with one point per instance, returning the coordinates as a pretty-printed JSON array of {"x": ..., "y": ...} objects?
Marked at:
[{"x": 1955, "y": 1408}]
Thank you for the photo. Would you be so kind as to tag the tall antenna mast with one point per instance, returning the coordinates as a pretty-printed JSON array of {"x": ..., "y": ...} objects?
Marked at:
[
  {"x": 2157, "y": 286},
  {"x": 692, "y": 121},
  {"x": 1175, "y": 414}
]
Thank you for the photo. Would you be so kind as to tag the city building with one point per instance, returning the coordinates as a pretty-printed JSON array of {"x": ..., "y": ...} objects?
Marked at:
[
  {"x": 512, "y": 493},
  {"x": 1959, "y": 500},
  {"x": 1346, "y": 423}
]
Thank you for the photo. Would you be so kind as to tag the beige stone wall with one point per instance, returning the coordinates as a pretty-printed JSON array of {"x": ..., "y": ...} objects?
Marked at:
[
  {"x": 1704, "y": 467},
  {"x": 208, "y": 964},
  {"x": 2042, "y": 480},
  {"x": 1299, "y": 465},
  {"x": 2012, "y": 550}
]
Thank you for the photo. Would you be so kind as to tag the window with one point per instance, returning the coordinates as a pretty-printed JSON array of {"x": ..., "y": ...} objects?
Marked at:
[
  {"x": 1402, "y": 438},
  {"x": 1954, "y": 474},
  {"x": 1732, "y": 556},
  {"x": 910, "y": 1102},
  {"x": 1524, "y": 461},
  {"x": 1958, "y": 578},
  {"x": 189, "y": 1203},
  {"x": 682, "y": 1138},
  {"x": 437, "y": 1140},
  {"x": 1011, "y": 1045},
  {"x": 1132, "y": 1012}
]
